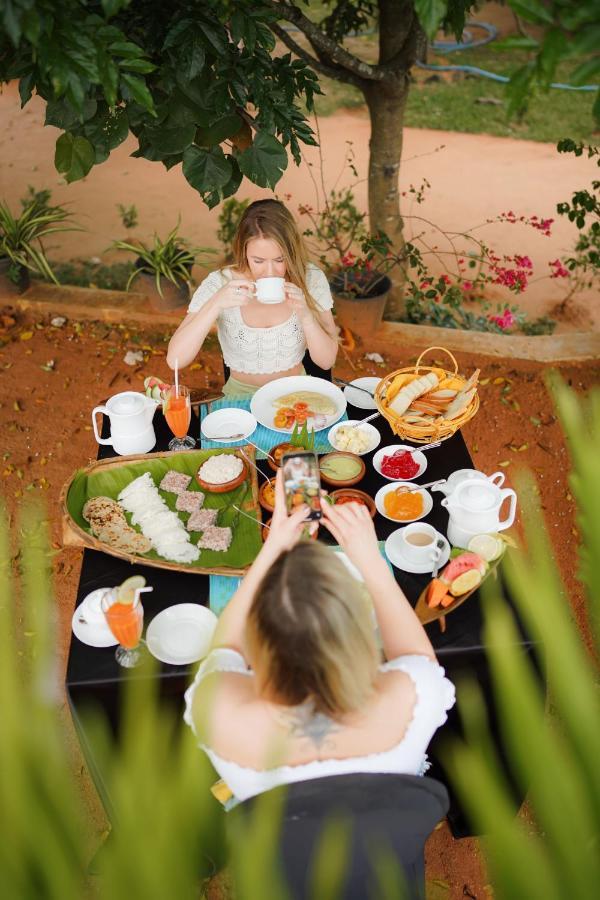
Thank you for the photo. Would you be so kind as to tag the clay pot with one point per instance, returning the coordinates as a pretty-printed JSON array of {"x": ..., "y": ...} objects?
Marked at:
[
  {"x": 8, "y": 287},
  {"x": 174, "y": 296},
  {"x": 362, "y": 314}
]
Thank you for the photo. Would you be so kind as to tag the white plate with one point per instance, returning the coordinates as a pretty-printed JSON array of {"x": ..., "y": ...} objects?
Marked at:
[
  {"x": 263, "y": 408},
  {"x": 181, "y": 634},
  {"x": 395, "y": 555},
  {"x": 366, "y": 428},
  {"x": 418, "y": 457},
  {"x": 218, "y": 425},
  {"x": 359, "y": 398},
  {"x": 380, "y": 495},
  {"x": 93, "y": 630}
]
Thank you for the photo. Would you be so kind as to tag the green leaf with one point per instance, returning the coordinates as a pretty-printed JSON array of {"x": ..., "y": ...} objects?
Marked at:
[
  {"x": 138, "y": 91},
  {"x": 74, "y": 156},
  {"x": 517, "y": 42},
  {"x": 219, "y": 131},
  {"x": 109, "y": 78},
  {"x": 143, "y": 66},
  {"x": 430, "y": 13},
  {"x": 126, "y": 49},
  {"x": 265, "y": 161},
  {"x": 191, "y": 58},
  {"x": 206, "y": 170},
  {"x": 112, "y": 7},
  {"x": 170, "y": 140},
  {"x": 532, "y": 11},
  {"x": 213, "y": 198},
  {"x": 12, "y": 24},
  {"x": 108, "y": 129},
  {"x": 586, "y": 72}
]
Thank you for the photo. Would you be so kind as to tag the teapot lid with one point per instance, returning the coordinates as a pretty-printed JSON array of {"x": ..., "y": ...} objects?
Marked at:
[
  {"x": 477, "y": 494},
  {"x": 126, "y": 404}
]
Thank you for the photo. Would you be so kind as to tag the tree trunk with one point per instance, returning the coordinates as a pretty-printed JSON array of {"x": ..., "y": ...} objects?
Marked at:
[{"x": 386, "y": 105}]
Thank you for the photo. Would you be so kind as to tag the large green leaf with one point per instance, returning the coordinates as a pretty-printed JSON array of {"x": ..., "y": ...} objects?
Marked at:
[
  {"x": 220, "y": 130},
  {"x": 246, "y": 541},
  {"x": 74, "y": 156},
  {"x": 213, "y": 198},
  {"x": 532, "y": 11},
  {"x": 138, "y": 91},
  {"x": 265, "y": 161},
  {"x": 170, "y": 140},
  {"x": 108, "y": 129},
  {"x": 431, "y": 14},
  {"x": 206, "y": 170}
]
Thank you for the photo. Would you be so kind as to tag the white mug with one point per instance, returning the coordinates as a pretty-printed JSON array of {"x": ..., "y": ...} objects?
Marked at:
[
  {"x": 418, "y": 543},
  {"x": 270, "y": 290}
]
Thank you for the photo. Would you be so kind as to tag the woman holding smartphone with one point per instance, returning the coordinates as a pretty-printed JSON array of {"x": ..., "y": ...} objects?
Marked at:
[
  {"x": 294, "y": 687},
  {"x": 261, "y": 341}
]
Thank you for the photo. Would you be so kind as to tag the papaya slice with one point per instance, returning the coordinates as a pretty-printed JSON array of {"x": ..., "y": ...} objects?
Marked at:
[{"x": 436, "y": 591}]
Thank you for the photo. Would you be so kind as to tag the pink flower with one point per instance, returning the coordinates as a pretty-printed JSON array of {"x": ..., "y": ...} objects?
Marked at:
[
  {"x": 523, "y": 262},
  {"x": 348, "y": 259},
  {"x": 467, "y": 285},
  {"x": 445, "y": 279},
  {"x": 559, "y": 270},
  {"x": 426, "y": 283},
  {"x": 505, "y": 321}
]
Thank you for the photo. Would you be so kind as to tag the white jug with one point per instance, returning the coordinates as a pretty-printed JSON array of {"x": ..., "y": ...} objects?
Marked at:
[
  {"x": 474, "y": 506},
  {"x": 131, "y": 429},
  {"x": 451, "y": 483}
]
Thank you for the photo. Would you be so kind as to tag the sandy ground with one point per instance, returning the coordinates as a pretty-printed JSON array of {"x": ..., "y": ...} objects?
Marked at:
[
  {"x": 472, "y": 177},
  {"x": 45, "y": 422}
]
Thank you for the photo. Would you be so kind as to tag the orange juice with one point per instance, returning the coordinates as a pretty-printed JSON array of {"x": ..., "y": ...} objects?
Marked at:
[
  {"x": 178, "y": 415},
  {"x": 125, "y": 620}
]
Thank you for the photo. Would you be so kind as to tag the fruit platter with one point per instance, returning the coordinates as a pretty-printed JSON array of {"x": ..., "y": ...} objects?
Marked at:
[
  {"x": 461, "y": 577},
  {"x": 168, "y": 510}
]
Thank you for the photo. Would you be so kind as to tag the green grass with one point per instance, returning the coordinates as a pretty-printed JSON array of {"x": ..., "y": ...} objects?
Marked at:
[{"x": 454, "y": 105}]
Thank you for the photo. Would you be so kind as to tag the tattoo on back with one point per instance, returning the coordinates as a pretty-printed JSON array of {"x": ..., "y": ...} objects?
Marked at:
[{"x": 304, "y": 722}]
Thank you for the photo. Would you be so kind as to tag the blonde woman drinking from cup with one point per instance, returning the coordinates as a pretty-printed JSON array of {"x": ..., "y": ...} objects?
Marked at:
[
  {"x": 294, "y": 687},
  {"x": 270, "y": 306}
]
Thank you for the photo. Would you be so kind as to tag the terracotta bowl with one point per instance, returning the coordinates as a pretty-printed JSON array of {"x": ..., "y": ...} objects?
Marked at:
[
  {"x": 338, "y": 482},
  {"x": 354, "y": 494},
  {"x": 228, "y": 485},
  {"x": 261, "y": 495},
  {"x": 277, "y": 452}
]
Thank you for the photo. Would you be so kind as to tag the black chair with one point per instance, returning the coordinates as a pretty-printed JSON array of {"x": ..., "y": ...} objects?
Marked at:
[
  {"x": 310, "y": 367},
  {"x": 392, "y": 814}
]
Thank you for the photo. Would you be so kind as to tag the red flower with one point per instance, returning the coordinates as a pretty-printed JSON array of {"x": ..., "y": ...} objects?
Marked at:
[
  {"x": 445, "y": 279},
  {"x": 426, "y": 283},
  {"x": 559, "y": 270},
  {"x": 467, "y": 285}
]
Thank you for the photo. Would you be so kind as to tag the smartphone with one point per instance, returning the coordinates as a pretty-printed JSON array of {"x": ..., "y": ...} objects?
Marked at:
[{"x": 302, "y": 482}]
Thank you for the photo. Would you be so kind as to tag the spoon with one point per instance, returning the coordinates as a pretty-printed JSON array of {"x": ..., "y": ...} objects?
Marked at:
[
  {"x": 405, "y": 489},
  {"x": 248, "y": 460},
  {"x": 368, "y": 419},
  {"x": 354, "y": 386},
  {"x": 237, "y": 437},
  {"x": 256, "y": 521}
]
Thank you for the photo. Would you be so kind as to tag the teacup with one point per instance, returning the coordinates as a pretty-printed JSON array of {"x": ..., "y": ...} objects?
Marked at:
[
  {"x": 270, "y": 290},
  {"x": 418, "y": 543}
]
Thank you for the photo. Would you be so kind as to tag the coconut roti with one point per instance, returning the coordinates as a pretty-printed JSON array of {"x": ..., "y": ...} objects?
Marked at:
[{"x": 317, "y": 403}]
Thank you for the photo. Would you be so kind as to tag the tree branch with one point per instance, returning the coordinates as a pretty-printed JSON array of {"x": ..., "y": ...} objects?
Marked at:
[
  {"x": 320, "y": 65},
  {"x": 328, "y": 49}
]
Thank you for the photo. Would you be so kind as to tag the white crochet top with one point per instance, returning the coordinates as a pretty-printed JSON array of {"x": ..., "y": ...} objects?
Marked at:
[
  {"x": 261, "y": 350},
  {"x": 435, "y": 695}
]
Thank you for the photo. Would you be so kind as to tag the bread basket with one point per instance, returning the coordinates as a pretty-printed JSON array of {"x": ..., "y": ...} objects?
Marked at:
[{"x": 426, "y": 417}]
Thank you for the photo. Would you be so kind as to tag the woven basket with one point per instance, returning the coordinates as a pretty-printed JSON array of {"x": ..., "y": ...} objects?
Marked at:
[{"x": 422, "y": 433}]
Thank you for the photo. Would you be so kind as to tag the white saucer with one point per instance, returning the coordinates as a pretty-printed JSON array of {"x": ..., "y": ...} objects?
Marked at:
[
  {"x": 217, "y": 425},
  {"x": 418, "y": 457},
  {"x": 397, "y": 558},
  {"x": 359, "y": 398},
  {"x": 93, "y": 633},
  {"x": 181, "y": 634}
]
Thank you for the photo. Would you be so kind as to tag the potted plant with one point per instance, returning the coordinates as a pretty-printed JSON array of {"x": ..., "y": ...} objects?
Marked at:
[
  {"x": 21, "y": 247},
  {"x": 163, "y": 269},
  {"x": 356, "y": 261}
]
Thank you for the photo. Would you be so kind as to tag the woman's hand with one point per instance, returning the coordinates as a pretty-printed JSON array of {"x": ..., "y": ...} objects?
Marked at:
[
  {"x": 236, "y": 292},
  {"x": 352, "y": 527},
  {"x": 285, "y": 531},
  {"x": 295, "y": 296}
]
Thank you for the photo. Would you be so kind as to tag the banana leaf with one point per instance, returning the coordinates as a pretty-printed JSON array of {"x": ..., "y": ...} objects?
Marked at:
[{"x": 109, "y": 477}]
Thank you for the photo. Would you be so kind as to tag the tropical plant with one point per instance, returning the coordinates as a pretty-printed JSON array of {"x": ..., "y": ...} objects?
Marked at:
[
  {"x": 229, "y": 219},
  {"x": 171, "y": 259},
  {"x": 21, "y": 236},
  {"x": 553, "y": 853},
  {"x": 129, "y": 215}
]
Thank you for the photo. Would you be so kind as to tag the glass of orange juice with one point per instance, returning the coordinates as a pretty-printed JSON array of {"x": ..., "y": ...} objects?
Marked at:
[
  {"x": 125, "y": 617},
  {"x": 178, "y": 413}
]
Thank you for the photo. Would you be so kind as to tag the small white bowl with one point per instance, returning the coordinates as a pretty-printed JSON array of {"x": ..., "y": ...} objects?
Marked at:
[
  {"x": 418, "y": 457},
  {"x": 218, "y": 425},
  {"x": 380, "y": 495},
  {"x": 366, "y": 428}
]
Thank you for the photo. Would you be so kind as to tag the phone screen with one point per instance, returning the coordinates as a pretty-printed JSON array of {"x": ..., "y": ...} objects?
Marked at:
[{"x": 302, "y": 482}]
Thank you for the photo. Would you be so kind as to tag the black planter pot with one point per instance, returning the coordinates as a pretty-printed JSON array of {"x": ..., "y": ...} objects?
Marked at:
[{"x": 361, "y": 313}]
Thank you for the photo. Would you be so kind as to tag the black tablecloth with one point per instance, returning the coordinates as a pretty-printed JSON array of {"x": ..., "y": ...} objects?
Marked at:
[{"x": 93, "y": 675}]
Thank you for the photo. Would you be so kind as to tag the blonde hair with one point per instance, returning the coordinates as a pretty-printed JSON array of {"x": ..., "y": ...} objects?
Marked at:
[
  {"x": 310, "y": 633},
  {"x": 271, "y": 219}
]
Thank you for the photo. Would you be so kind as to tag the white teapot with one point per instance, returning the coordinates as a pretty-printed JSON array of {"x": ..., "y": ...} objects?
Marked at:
[
  {"x": 474, "y": 507},
  {"x": 131, "y": 429},
  {"x": 456, "y": 478}
]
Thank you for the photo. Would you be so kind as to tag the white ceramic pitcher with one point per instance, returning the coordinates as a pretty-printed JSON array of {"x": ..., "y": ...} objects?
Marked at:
[
  {"x": 474, "y": 506},
  {"x": 131, "y": 429}
]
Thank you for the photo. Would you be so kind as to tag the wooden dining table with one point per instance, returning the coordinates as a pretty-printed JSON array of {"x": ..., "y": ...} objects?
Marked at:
[{"x": 94, "y": 678}]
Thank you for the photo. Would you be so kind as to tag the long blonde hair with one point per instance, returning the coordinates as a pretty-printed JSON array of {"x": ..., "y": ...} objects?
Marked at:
[
  {"x": 271, "y": 219},
  {"x": 310, "y": 633}
]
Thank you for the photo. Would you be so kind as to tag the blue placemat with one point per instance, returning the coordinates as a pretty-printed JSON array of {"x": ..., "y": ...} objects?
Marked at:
[
  {"x": 223, "y": 587},
  {"x": 264, "y": 438}
]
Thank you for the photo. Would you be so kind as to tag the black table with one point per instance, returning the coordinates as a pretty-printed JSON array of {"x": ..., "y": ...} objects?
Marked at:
[{"x": 94, "y": 677}]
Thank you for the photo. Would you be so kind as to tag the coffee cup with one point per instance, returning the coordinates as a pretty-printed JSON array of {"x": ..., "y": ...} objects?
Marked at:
[
  {"x": 418, "y": 542},
  {"x": 270, "y": 290}
]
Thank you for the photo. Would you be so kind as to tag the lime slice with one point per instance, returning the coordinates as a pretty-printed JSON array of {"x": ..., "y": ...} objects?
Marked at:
[
  {"x": 126, "y": 592},
  {"x": 488, "y": 546},
  {"x": 465, "y": 582}
]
